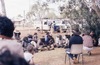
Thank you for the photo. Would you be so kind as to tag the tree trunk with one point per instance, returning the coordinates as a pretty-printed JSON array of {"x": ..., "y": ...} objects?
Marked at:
[
  {"x": 3, "y": 8},
  {"x": 96, "y": 8}
]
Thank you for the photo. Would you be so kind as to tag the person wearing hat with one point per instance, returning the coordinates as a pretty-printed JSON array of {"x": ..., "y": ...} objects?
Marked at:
[{"x": 17, "y": 35}]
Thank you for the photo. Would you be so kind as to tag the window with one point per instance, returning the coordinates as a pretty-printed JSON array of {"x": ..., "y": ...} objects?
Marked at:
[{"x": 45, "y": 23}]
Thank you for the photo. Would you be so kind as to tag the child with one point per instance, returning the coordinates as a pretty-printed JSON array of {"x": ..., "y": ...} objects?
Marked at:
[{"x": 28, "y": 55}]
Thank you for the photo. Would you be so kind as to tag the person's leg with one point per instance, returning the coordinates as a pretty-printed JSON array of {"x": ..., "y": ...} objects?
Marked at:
[
  {"x": 75, "y": 55},
  {"x": 89, "y": 53},
  {"x": 75, "y": 58},
  {"x": 52, "y": 46},
  {"x": 87, "y": 49},
  {"x": 71, "y": 56},
  {"x": 48, "y": 46},
  {"x": 59, "y": 43}
]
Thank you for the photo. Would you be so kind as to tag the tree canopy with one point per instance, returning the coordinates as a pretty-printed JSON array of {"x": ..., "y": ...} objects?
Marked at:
[{"x": 84, "y": 12}]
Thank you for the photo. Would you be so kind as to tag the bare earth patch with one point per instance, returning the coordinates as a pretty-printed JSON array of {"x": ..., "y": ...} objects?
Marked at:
[{"x": 57, "y": 56}]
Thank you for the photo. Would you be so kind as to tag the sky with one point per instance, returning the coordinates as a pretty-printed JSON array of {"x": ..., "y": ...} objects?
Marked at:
[{"x": 16, "y": 7}]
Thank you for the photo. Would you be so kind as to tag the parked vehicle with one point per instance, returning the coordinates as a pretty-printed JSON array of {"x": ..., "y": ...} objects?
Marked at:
[
  {"x": 61, "y": 24},
  {"x": 57, "y": 28},
  {"x": 39, "y": 25}
]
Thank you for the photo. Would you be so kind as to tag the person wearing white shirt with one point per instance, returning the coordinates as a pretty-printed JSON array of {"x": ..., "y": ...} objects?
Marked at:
[{"x": 28, "y": 55}]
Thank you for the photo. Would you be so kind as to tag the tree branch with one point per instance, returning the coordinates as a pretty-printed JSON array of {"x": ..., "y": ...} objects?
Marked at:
[{"x": 96, "y": 8}]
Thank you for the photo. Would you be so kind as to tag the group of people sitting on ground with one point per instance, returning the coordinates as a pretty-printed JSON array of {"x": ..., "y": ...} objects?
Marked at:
[
  {"x": 62, "y": 41},
  {"x": 46, "y": 42}
]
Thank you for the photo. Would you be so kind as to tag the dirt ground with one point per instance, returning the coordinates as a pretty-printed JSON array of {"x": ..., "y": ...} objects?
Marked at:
[{"x": 57, "y": 56}]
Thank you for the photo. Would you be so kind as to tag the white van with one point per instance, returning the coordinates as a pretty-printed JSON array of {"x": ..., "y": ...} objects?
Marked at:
[
  {"x": 61, "y": 24},
  {"x": 39, "y": 25}
]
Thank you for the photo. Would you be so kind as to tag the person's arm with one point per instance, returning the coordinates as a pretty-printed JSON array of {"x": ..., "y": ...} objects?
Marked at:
[
  {"x": 31, "y": 62},
  {"x": 45, "y": 38},
  {"x": 70, "y": 42}
]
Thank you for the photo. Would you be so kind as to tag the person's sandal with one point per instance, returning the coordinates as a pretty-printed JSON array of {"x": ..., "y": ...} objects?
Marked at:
[{"x": 89, "y": 53}]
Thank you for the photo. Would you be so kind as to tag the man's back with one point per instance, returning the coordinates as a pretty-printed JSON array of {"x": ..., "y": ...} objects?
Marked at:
[
  {"x": 13, "y": 46},
  {"x": 75, "y": 39}
]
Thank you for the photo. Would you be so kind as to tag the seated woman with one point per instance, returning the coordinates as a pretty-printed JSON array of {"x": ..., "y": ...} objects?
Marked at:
[{"x": 87, "y": 43}]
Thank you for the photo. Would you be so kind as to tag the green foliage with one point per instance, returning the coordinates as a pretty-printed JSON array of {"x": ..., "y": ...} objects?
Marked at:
[
  {"x": 75, "y": 27},
  {"x": 83, "y": 12}
]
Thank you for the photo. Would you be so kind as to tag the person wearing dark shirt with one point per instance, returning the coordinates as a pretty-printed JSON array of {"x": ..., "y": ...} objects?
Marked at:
[
  {"x": 35, "y": 37},
  {"x": 95, "y": 38},
  {"x": 75, "y": 39}
]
